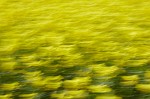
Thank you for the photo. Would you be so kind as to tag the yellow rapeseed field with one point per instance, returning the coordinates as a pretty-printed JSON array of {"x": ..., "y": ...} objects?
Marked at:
[{"x": 74, "y": 49}]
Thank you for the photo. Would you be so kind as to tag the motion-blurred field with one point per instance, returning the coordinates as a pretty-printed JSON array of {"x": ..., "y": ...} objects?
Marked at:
[{"x": 74, "y": 49}]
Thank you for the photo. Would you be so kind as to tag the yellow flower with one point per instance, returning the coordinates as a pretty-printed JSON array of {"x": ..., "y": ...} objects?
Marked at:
[
  {"x": 34, "y": 63},
  {"x": 77, "y": 83},
  {"x": 53, "y": 78},
  {"x": 77, "y": 94},
  {"x": 128, "y": 83},
  {"x": 58, "y": 96},
  {"x": 52, "y": 85},
  {"x": 8, "y": 49},
  {"x": 99, "y": 89},
  {"x": 31, "y": 75},
  {"x": 35, "y": 78},
  {"x": 71, "y": 94},
  {"x": 10, "y": 86},
  {"x": 7, "y": 96},
  {"x": 143, "y": 88},
  {"x": 136, "y": 63},
  {"x": 52, "y": 82},
  {"x": 28, "y": 58},
  {"x": 102, "y": 70},
  {"x": 108, "y": 97},
  {"x": 28, "y": 96},
  {"x": 38, "y": 83},
  {"x": 8, "y": 66},
  {"x": 129, "y": 80}
]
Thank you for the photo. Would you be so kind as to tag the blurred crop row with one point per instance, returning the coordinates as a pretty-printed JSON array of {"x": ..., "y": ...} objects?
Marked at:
[{"x": 74, "y": 49}]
